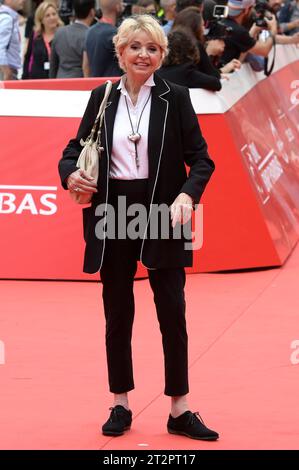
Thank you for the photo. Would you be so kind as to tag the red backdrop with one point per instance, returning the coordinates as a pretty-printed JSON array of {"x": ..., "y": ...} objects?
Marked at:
[{"x": 251, "y": 206}]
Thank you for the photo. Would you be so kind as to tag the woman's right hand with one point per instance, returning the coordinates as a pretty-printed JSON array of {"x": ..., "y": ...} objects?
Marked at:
[{"x": 81, "y": 182}]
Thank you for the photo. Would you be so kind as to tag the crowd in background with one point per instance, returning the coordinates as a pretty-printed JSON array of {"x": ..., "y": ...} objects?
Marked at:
[{"x": 73, "y": 38}]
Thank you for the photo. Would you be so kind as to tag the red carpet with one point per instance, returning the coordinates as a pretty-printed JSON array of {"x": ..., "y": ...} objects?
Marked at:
[{"x": 241, "y": 325}]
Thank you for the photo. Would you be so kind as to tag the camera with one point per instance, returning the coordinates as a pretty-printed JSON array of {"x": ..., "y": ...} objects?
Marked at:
[
  {"x": 215, "y": 28},
  {"x": 262, "y": 11},
  {"x": 220, "y": 11}
]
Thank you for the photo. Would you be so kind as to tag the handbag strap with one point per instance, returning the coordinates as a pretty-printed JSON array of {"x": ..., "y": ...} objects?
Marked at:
[{"x": 100, "y": 115}]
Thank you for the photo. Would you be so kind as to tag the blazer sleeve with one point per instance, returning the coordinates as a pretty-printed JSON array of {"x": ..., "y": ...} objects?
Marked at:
[
  {"x": 197, "y": 79},
  {"x": 195, "y": 150},
  {"x": 67, "y": 164}
]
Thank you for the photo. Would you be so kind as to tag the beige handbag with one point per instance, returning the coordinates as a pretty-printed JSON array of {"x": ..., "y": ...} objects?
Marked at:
[{"x": 91, "y": 153}]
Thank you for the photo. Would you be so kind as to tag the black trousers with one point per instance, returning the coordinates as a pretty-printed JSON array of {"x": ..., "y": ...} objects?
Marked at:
[{"x": 117, "y": 275}]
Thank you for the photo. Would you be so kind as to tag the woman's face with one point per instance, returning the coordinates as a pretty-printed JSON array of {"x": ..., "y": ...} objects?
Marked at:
[
  {"x": 50, "y": 19},
  {"x": 141, "y": 56}
]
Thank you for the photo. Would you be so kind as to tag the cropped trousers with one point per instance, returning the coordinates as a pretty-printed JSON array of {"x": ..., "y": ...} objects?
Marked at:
[{"x": 117, "y": 276}]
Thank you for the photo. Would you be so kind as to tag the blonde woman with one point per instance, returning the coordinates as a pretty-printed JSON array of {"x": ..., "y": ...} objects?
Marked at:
[
  {"x": 150, "y": 132},
  {"x": 37, "y": 57}
]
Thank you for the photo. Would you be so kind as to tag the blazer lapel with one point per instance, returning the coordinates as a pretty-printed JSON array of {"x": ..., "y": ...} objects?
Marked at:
[
  {"x": 156, "y": 133},
  {"x": 110, "y": 113}
]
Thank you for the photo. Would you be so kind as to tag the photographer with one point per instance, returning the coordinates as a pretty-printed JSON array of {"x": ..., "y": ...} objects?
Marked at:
[
  {"x": 242, "y": 40},
  {"x": 215, "y": 34},
  {"x": 265, "y": 9}
]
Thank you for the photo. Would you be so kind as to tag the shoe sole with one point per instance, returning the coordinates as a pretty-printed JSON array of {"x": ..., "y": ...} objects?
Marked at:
[
  {"x": 116, "y": 434},
  {"x": 181, "y": 433}
]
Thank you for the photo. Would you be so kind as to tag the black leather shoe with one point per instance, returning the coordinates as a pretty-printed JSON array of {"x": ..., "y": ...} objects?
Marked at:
[
  {"x": 188, "y": 424},
  {"x": 119, "y": 421}
]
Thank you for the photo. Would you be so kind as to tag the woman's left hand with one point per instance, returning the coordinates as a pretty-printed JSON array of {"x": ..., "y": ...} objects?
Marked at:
[{"x": 181, "y": 209}]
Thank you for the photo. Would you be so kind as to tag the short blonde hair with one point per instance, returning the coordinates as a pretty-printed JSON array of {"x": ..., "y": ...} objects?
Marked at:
[
  {"x": 40, "y": 14},
  {"x": 134, "y": 24}
]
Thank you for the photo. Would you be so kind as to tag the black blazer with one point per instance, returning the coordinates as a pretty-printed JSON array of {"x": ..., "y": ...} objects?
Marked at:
[
  {"x": 188, "y": 75},
  {"x": 174, "y": 140},
  {"x": 37, "y": 49}
]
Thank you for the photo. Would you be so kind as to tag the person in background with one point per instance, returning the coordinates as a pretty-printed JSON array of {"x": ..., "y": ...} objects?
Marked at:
[
  {"x": 10, "y": 41},
  {"x": 98, "y": 56},
  {"x": 181, "y": 64},
  {"x": 169, "y": 7},
  {"x": 215, "y": 48},
  {"x": 190, "y": 18},
  {"x": 289, "y": 17},
  {"x": 30, "y": 20},
  {"x": 68, "y": 43},
  {"x": 37, "y": 57},
  {"x": 208, "y": 9},
  {"x": 242, "y": 40},
  {"x": 142, "y": 7},
  {"x": 150, "y": 134},
  {"x": 215, "y": 36}
]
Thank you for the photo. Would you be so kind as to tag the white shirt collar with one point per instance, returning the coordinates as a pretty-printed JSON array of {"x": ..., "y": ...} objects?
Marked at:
[{"x": 149, "y": 82}]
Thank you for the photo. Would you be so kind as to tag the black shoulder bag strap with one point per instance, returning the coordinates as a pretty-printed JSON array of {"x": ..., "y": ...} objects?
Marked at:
[{"x": 267, "y": 71}]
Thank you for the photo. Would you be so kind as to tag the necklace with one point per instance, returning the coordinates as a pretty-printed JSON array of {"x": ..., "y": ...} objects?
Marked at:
[{"x": 136, "y": 136}]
